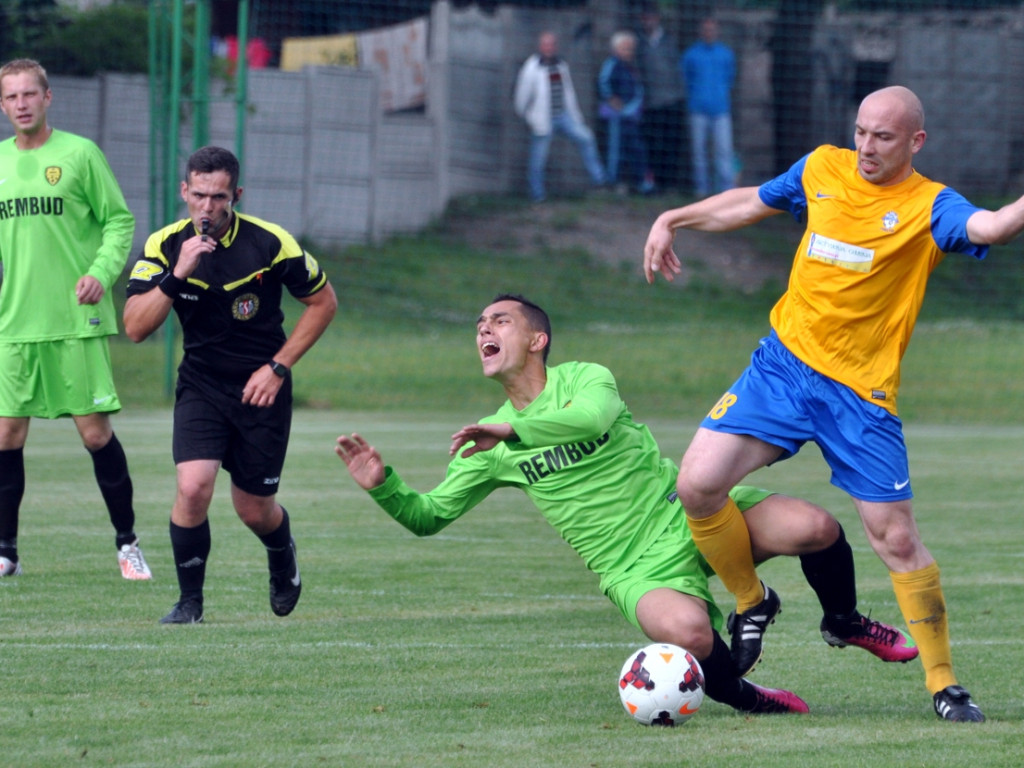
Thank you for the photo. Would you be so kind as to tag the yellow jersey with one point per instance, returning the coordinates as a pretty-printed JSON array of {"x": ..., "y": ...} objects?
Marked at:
[{"x": 858, "y": 278}]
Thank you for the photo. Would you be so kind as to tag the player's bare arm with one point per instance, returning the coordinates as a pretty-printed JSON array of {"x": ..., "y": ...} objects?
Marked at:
[
  {"x": 144, "y": 313},
  {"x": 997, "y": 227},
  {"x": 724, "y": 212},
  {"x": 263, "y": 385},
  {"x": 483, "y": 436},
  {"x": 362, "y": 460}
]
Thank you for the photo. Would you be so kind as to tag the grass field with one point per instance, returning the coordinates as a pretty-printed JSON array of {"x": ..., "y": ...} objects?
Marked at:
[{"x": 488, "y": 645}]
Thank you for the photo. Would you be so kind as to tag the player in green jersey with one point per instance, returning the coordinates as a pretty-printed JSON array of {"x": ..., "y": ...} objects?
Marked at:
[
  {"x": 566, "y": 438},
  {"x": 65, "y": 233}
]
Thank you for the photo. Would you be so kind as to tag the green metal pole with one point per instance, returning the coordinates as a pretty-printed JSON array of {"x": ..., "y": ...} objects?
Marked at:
[
  {"x": 201, "y": 75},
  {"x": 242, "y": 75},
  {"x": 156, "y": 78},
  {"x": 171, "y": 161}
]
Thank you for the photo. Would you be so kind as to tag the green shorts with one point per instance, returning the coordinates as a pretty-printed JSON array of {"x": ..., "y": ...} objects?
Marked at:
[
  {"x": 48, "y": 379},
  {"x": 673, "y": 562}
]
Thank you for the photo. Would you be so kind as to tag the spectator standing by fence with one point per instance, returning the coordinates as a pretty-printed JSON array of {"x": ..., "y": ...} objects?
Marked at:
[
  {"x": 546, "y": 99},
  {"x": 622, "y": 104},
  {"x": 709, "y": 73},
  {"x": 664, "y": 111}
]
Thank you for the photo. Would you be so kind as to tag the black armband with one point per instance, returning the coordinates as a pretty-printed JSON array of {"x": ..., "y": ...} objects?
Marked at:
[{"x": 172, "y": 285}]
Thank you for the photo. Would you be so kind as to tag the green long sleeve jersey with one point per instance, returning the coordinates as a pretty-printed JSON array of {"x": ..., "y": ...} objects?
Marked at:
[
  {"x": 595, "y": 474},
  {"x": 62, "y": 216}
]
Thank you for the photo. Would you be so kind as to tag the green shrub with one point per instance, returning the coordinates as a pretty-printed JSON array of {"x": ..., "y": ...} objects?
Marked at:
[{"x": 111, "y": 38}]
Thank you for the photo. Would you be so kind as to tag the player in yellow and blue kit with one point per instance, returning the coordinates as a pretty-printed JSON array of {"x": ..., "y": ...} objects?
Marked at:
[
  {"x": 566, "y": 439},
  {"x": 829, "y": 371}
]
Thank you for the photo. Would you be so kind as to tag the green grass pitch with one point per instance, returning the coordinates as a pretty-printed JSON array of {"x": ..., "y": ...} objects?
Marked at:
[{"x": 487, "y": 645}]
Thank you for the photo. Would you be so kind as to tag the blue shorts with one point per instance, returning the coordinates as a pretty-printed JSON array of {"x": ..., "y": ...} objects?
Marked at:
[{"x": 782, "y": 401}]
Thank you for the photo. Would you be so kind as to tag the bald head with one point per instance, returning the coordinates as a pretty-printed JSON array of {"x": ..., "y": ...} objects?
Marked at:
[
  {"x": 889, "y": 132},
  {"x": 901, "y": 102},
  {"x": 547, "y": 44}
]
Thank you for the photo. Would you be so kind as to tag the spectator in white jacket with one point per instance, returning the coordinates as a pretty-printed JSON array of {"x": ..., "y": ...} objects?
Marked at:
[{"x": 546, "y": 100}]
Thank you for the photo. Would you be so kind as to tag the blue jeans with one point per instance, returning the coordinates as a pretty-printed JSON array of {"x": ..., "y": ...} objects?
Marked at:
[
  {"x": 580, "y": 135},
  {"x": 626, "y": 146},
  {"x": 720, "y": 129}
]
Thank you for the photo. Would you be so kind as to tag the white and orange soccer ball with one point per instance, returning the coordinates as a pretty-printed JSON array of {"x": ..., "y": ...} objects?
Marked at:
[{"x": 661, "y": 684}]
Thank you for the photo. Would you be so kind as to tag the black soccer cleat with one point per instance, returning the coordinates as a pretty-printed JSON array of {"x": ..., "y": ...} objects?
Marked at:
[
  {"x": 285, "y": 586},
  {"x": 188, "y": 611},
  {"x": 747, "y": 630},
  {"x": 954, "y": 703}
]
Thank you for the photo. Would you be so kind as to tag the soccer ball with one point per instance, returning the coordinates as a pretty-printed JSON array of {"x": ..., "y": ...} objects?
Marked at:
[{"x": 661, "y": 684}]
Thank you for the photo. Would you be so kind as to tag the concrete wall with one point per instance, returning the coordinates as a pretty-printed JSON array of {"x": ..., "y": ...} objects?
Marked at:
[
  {"x": 967, "y": 68},
  {"x": 324, "y": 162}
]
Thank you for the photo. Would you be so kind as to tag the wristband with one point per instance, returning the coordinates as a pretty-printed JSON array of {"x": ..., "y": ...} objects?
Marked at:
[
  {"x": 171, "y": 285},
  {"x": 279, "y": 369}
]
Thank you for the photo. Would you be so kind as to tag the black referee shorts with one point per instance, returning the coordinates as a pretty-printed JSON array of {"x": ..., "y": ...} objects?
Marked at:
[{"x": 210, "y": 422}]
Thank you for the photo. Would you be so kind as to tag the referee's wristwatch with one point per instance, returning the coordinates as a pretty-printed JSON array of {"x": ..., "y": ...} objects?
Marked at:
[{"x": 279, "y": 369}]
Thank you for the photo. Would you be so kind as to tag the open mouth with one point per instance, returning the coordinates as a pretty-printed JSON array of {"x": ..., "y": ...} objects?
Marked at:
[{"x": 489, "y": 349}]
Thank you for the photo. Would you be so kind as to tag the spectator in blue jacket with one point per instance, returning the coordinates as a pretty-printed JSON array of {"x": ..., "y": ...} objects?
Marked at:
[
  {"x": 709, "y": 72},
  {"x": 622, "y": 100}
]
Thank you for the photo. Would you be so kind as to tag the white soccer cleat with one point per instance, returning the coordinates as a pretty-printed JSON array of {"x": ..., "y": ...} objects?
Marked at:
[
  {"x": 133, "y": 564},
  {"x": 9, "y": 568}
]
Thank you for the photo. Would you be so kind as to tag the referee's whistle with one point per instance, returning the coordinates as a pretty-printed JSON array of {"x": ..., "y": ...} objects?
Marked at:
[{"x": 206, "y": 227}]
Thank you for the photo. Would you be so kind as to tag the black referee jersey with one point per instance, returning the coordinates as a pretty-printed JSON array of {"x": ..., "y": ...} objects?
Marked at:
[{"x": 230, "y": 309}]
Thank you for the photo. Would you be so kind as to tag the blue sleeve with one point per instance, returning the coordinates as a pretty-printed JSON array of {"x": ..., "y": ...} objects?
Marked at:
[
  {"x": 950, "y": 213},
  {"x": 634, "y": 106},
  {"x": 604, "y": 79},
  {"x": 684, "y": 70},
  {"x": 786, "y": 192}
]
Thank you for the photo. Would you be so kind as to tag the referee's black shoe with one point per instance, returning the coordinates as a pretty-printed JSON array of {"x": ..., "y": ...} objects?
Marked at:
[
  {"x": 187, "y": 611},
  {"x": 285, "y": 586},
  {"x": 747, "y": 631}
]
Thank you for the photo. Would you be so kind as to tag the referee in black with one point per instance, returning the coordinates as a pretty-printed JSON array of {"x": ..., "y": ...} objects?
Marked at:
[{"x": 224, "y": 273}]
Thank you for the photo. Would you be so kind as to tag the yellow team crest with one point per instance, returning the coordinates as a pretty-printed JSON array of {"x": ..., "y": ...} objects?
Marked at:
[{"x": 53, "y": 174}]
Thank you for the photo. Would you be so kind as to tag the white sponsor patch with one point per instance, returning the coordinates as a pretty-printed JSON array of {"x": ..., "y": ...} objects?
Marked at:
[{"x": 839, "y": 253}]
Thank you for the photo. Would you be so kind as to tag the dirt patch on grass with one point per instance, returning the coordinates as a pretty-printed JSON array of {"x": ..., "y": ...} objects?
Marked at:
[{"x": 614, "y": 230}]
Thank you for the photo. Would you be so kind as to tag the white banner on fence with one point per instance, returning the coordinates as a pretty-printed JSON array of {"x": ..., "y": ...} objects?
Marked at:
[{"x": 398, "y": 55}]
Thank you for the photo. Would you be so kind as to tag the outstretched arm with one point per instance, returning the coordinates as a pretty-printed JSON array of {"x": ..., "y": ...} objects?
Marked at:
[
  {"x": 464, "y": 486},
  {"x": 726, "y": 211},
  {"x": 362, "y": 460},
  {"x": 997, "y": 227}
]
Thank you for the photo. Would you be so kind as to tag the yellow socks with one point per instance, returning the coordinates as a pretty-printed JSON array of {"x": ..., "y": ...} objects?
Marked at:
[
  {"x": 724, "y": 541},
  {"x": 920, "y": 598}
]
